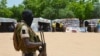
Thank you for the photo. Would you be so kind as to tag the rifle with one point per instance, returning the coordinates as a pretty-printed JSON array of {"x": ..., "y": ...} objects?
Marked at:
[{"x": 43, "y": 50}]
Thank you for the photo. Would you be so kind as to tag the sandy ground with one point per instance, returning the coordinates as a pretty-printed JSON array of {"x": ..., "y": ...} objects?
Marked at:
[{"x": 59, "y": 44}]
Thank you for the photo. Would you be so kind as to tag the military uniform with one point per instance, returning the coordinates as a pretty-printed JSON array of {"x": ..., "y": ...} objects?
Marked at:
[
  {"x": 24, "y": 37},
  {"x": 54, "y": 26},
  {"x": 25, "y": 34}
]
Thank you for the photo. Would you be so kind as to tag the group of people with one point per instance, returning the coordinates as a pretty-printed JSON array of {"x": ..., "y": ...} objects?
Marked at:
[
  {"x": 92, "y": 26},
  {"x": 57, "y": 27}
]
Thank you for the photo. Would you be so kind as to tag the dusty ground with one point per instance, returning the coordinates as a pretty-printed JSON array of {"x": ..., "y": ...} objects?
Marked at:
[{"x": 59, "y": 44}]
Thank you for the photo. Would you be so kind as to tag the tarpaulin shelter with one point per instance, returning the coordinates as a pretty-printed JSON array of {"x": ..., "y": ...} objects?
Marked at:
[
  {"x": 92, "y": 24},
  {"x": 68, "y": 22},
  {"x": 41, "y": 24},
  {"x": 7, "y": 24}
]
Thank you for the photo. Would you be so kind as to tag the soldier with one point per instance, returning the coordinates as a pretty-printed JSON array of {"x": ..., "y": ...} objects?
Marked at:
[
  {"x": 54, "y": 26},
  {"x": 27, "y": 41},
  {"x": 61, "y": 26}
]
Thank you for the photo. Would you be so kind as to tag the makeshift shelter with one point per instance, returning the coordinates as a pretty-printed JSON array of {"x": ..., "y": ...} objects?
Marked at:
[
  {"x": 7, "y": 24},
  {"x": 41, "y": 24},
  {"x": 67, "y": 22},
  {"x": 92, "y": 26}
]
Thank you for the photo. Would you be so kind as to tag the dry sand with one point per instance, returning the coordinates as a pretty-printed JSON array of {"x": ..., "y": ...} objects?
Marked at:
[{"x": 59, "y": 44}]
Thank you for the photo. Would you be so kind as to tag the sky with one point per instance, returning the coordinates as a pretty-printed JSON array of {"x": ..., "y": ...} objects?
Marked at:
[{"x": 10, "y": 3}]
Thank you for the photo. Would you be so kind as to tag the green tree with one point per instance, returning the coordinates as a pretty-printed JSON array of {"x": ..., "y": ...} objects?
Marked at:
[
  {"x": 78, "y": 9},
  {"x": 64, "y": 13},
  {"x": 96, "y": 12},
  {"x": 52, "y": 9},
  {"x": 40, "y": 6},
  {"x": 89, "y": 10},
  {"x": 49, "y": 13},
  {"x": 17, "y": 10},
  {"x": 4, "y": 11},
  {"x": 37, "y": 6},
  {"x": 93, "y": 1},
  {"x": 3, "y": 3}
]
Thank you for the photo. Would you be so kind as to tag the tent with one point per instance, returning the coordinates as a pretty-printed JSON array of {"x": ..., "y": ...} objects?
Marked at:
[
  {"x": 67, "y": 22},
  {"x": 41, "y": 23},
  {"x": 7, "y": 24}
]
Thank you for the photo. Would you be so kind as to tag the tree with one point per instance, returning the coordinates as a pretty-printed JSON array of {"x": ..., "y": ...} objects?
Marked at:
[
  {"x": 17, "y": 11},
  {"x": 4, "y": 11},
  {"x": 52, "y": 9},
  {"x": 40, "y": 6},
  {"x": 64, "y": 13},
  {"x": 96, "y": 12},
  {"x": 3, "y": 3},
  {"x": 93, "y": 1},
  {"x": 49, "y": 13},
  {"x": 37, "y": 6},
  {"x": 78, "y": 9},
  {"x": 89, "y": 10}
]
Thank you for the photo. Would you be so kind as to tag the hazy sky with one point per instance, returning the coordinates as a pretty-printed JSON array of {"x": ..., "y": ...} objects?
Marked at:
[{"x": 13, "y": 2}]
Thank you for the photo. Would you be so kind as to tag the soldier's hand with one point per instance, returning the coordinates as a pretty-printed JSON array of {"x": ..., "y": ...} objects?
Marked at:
[
  {"x": 40, "y": 49},
  {"x": 43, "y": 45}
]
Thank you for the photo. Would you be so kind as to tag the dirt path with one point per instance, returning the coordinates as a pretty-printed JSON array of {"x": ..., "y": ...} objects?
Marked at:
[{"x": 59, "y": 44}]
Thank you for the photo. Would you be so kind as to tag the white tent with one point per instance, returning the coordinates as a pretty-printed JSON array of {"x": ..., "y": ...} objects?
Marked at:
[
  {"x": 35, "y": 26},
  {"x": 8, "y": 20},
  {"x": 7, "y": 24}
]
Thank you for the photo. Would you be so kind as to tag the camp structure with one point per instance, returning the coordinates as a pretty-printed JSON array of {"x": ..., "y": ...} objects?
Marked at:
[
  {"x": 7, "y": 24},
  {"x": 92, "y": 24},
  {"x": 67, "y": 23},
  {"x": 39, "y": 24}
]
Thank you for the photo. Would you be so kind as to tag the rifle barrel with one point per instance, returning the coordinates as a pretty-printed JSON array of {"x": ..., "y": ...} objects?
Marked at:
[{"x": 42, "y": 36}]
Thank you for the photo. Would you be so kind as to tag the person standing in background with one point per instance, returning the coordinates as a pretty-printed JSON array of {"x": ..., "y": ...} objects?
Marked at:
[{"x": 98, "y": 26}]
